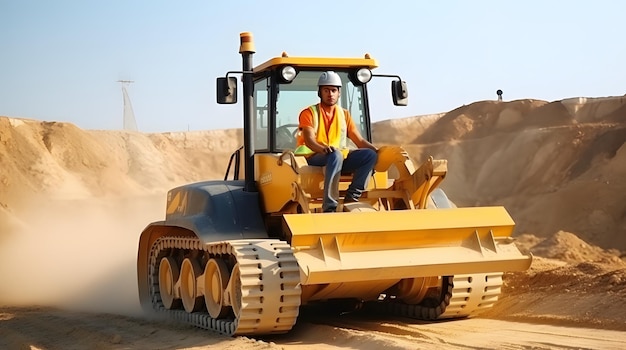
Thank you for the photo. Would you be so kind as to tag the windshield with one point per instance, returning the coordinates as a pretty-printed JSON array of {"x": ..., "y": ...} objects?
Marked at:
[{"x": 293, "y": 98}]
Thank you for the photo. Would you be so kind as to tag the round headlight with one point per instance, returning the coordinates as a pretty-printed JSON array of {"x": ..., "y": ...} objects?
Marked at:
[
  {"x": 364, "y": 75},
  {"x": 288, "y": 73}
]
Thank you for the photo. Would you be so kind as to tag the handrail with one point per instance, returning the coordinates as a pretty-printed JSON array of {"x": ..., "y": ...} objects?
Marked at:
[
  {"x": 237, "y": 156},
  {"x": 292, "y": 157}
]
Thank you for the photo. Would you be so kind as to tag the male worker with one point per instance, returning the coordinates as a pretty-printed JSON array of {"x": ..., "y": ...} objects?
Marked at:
[{"x": 324, "y": 129}]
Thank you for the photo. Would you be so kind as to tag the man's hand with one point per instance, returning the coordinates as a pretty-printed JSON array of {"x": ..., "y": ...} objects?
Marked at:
[{"x": 328, "y": 149}]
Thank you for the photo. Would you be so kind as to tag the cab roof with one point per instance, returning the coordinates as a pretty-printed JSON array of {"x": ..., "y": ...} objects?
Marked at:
[{"x": 317, "y": 62}]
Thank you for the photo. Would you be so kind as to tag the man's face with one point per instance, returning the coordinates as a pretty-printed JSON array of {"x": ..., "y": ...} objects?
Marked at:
[{"x": 329, "y": 95}]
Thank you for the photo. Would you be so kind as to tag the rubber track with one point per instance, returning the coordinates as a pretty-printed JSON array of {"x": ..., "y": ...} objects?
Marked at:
[
  {"x": 464, "y": 295},
  {"x": 252, "y": 257}
]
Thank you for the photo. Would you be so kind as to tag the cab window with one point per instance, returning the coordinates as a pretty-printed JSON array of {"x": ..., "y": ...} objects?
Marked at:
[
  {"x": 300, "y": 94},
  {"x": 261, "y": 114}
]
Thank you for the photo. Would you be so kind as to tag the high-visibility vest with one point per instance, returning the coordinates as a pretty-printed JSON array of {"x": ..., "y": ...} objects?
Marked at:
[{"x": 337, "y": 132}]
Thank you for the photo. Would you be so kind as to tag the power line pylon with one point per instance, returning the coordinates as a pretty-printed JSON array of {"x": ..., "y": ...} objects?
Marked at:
[{"x": 129, "y": 115}]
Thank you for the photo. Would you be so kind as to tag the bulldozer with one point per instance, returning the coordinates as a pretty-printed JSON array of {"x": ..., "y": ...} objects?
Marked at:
[{"x": 243, "y": 255}]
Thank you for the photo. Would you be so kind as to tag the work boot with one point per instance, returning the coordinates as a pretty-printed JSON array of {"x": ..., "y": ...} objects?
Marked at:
[{"x": 350, "y": 199}]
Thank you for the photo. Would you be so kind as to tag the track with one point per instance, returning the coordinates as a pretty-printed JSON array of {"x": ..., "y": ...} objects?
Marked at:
[
  {"x": 267, "y": 279},
  {"x": 267, "y": 293},
  {"x": 461, "y": 296}
]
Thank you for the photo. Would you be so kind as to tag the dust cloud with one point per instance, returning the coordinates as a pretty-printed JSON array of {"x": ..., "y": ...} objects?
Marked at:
[
  {"x": 77, "y": 254},
  {"x": 74, "y": 202}
]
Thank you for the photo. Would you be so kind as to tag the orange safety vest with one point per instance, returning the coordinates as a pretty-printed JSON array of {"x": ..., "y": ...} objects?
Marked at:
[{"x": 337, "y": 132}]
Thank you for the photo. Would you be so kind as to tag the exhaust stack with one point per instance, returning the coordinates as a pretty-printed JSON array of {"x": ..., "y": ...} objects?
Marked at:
[{"x": 246, "y": 49}]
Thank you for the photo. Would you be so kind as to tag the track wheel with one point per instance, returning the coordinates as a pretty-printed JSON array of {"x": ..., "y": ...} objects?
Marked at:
[
  {"x": 234, "y": 291},
  {"x": 215, "y": 280},
  {"x": 168, "y": 276},
  {"x": 189, "y": 273},
  {"x": 413, "y": 290}
]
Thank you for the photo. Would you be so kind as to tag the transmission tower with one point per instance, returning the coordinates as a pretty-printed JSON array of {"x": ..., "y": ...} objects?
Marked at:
[{"x": 129, "y": 115}]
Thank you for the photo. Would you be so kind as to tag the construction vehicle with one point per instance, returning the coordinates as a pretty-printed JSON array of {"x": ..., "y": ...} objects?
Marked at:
[{"x": 242, "y": 255}]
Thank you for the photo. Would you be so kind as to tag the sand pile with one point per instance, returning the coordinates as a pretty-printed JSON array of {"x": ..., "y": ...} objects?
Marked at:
[
  {"x": 60, "y": 160},
  {"x": 570, "y": 282}
]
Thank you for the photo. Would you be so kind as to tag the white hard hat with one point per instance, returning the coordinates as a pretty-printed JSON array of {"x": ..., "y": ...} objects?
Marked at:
[{"x": 329, "y": 78}]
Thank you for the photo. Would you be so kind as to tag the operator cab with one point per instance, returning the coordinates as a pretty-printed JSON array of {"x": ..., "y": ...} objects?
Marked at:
[
  {"x": 274, "y": 93},
  {"x": 284, "y": 86},
  {"x": 293, "y": 97}
]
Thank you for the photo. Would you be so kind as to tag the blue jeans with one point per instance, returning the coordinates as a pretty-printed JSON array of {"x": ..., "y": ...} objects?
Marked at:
[{"x": 359, "y": 162}]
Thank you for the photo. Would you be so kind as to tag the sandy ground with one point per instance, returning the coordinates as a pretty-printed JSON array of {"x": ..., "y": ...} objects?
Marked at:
[{"x": 73, "y": 203}]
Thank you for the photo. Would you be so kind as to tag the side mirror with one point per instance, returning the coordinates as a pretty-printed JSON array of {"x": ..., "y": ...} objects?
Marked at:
[
  {"x": 399, "y": 92},
  {"x": 226, "y": 90}
]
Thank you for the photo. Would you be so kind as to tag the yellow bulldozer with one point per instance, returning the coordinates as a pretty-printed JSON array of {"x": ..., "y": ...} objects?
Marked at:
[{"x": 242, "y": 255}]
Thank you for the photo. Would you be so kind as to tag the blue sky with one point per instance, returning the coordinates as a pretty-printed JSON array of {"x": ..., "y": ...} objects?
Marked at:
[{"x": 60, "y": 60}]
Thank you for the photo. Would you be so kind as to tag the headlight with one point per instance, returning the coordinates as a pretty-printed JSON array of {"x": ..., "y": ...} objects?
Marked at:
[
  {"x": 288, "y": 73},
  {"x": 364, "y": 75}
]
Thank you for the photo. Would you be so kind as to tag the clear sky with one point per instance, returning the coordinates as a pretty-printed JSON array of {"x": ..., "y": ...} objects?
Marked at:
[{"x": 60, "y": 60}]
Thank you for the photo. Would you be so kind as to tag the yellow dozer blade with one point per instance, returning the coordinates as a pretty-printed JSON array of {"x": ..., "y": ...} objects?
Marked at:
[{"x": 392, "y": 245}]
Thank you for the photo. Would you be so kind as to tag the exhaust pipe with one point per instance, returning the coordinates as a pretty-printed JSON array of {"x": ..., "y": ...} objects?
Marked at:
[{"x": 246, "y": 49}]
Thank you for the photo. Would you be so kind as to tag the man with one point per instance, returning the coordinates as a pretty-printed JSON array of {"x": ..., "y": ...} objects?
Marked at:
[{"x": 324, "y": 129}]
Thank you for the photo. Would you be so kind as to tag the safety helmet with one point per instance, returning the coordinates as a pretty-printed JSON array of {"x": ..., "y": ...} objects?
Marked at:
[{"x": 329, "y": 78}]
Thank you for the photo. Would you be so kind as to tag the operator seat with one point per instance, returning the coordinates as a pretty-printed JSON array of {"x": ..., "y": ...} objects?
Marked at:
[{"x": 312, "y": 179}]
